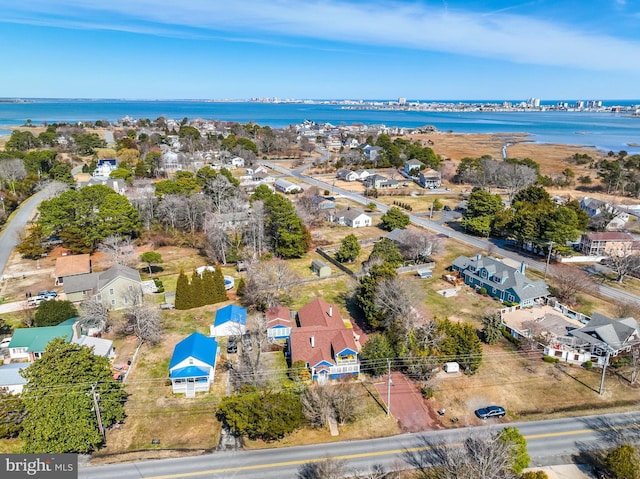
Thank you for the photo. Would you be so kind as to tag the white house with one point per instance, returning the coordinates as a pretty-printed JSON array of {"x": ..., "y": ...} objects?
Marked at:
[
  {"x": 105, "y": 167},
  {"x": 192, "y": 367},
  {"x": 285, "y": 186},
  {"x": 353, "y": 217},
  {"x": 10, "y": 378},
  {"x": 279, "y": 323},
  {"x": 237, "y": 162},
  {"x": 347, "y": 175},
  {"x": 230, "y": 321}
]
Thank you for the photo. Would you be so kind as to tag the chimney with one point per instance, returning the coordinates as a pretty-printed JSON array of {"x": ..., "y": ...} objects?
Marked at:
[
  {"x": 330, "y": 310},
  {"x": 312, "y": 339},
  {"x": 523, "y": 267}
]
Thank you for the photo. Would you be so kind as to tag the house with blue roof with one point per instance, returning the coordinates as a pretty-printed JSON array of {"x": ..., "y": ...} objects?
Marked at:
[
  {"x": 192, "y": 367},
  {"x": 230, "y": 321}
]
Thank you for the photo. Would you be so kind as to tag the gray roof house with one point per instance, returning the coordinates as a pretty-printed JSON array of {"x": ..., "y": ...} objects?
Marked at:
[
  {"x": 379, "y": 181},
  {"x": 606, "y": 334},
  {"x": 117, "y": 286},
  {"x": 354, "y": 217},
  {"x": 347, "y": 175},
  {"x": 500, "y": 280}
]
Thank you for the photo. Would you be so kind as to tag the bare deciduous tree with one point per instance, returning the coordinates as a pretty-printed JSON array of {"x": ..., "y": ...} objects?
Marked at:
[
  {"x": 514, "y": 177},
  {"x": 268, "y": 283},
  {"x": 478, "y": 456},
  {"x": 94, "y": 314},
  {"x": 316, "y": 405},
  {"x": 169, "y": 210},
  {"x": 254, "y": 232},
  {"x": 418, "y": 245},
  {"x": 191, "y": 215},
  {"x": 12, "y": 170},
  {"x": 624, "y": 264},
  {"x": 218, "y": 189},
  {"x": 217, "y": 237},
  {"x": 250, "y": 368},
  {"x": 569, "y": 280},
  {"x": 143, "y": 321},
  {"x": 394, "y": 298},
  {"x": 118, "y": 249}
]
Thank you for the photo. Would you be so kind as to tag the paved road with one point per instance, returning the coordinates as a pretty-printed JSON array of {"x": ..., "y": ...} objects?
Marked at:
[
  {"x": 9, "y": 236},
  {"x": 442, "y": 229},
  {"x": 548, "y": 442}
]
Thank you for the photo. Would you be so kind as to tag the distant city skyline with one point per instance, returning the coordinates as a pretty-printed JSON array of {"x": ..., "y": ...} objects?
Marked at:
[{"x": 330, "y": 49}]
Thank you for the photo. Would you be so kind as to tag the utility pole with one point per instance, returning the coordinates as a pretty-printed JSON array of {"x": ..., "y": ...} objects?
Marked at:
[
  {"x": 546, "y": 267},
  {"x": 96, "y": 407},
  {"x": 388, "y": 387},
  {"x": 604, "y": 370}
]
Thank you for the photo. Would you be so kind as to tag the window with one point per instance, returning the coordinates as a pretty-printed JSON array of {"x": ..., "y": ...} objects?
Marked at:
[
  {"x": 510, "y": 298},
  {"x": 190, "y": 360},
  {"x": 111, "y": 291},
  {"x": 113, "y": 302},
  {"x": 130, "y": 287}
]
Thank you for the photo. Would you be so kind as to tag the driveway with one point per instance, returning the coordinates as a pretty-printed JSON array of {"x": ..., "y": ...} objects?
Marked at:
[{"x": 407, "y": 404}]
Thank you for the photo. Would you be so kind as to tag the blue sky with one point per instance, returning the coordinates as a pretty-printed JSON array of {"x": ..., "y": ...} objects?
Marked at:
[{"x": 238, "y": 49}]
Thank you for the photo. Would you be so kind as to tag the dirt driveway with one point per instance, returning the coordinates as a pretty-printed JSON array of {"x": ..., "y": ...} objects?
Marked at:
[{"x": 408, "y": 405}]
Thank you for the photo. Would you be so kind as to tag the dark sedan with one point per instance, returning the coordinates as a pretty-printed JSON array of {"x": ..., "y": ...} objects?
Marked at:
[{"x": 490, "y": 411}]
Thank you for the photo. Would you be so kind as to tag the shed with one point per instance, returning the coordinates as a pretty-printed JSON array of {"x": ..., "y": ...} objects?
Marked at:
[
  {"x": 320, "y": 268},
  {"x": 451, "y": 367}
]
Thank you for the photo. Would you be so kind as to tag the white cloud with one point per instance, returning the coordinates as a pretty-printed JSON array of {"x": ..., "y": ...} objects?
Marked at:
[{"x": 493, "y": 34}]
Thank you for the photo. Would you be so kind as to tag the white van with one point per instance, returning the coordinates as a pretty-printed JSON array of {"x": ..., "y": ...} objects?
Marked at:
[{"x": 35, "y": 301}]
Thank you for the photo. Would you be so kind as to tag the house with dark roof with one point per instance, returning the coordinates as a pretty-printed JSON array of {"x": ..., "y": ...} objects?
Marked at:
[
  {"x": 500, "y": 280},
  {"x": 279, "y": 323},
  {"x": 117, "y": 287},
  {"x": 601, "y": 338},
  {"x": 192, "y": 367},
  {"x": 347, "y": 175},
  {"x": 324, "y": 343},
  {"x": 379, "y": 182},
  {"x": 353, "y": 217},
  {"x": 605, "y": 334},
  {"x": 229, "y": 321}
]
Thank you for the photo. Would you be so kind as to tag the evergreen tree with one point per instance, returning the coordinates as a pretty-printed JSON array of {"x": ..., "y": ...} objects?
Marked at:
[
  {"x": 240, "y": 288},
  {"x": 183, "y": 292},
  {"x": 220, "y": 291},
  {"x": 208, "y": 287},
  {"x": 59, "y": 400},
  {"x": 197, "y": 290}
]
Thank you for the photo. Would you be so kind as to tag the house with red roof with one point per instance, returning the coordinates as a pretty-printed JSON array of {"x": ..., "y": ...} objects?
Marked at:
[
  {"x": 279, "y": 323},
  {"x": 323, "y": 341}
]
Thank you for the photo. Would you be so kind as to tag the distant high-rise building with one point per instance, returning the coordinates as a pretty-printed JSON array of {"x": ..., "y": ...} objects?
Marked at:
[{"x": 402, "y": 101}]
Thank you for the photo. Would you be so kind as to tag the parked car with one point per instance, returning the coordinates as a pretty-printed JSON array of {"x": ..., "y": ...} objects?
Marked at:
[
  {"x": 48, "y": 294},
  {"x": 490, "y": 411},
  {"x": 232, "y": 345},
  {"x": 5, "y": 343},
  {"x": 35, "y": 300}
]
